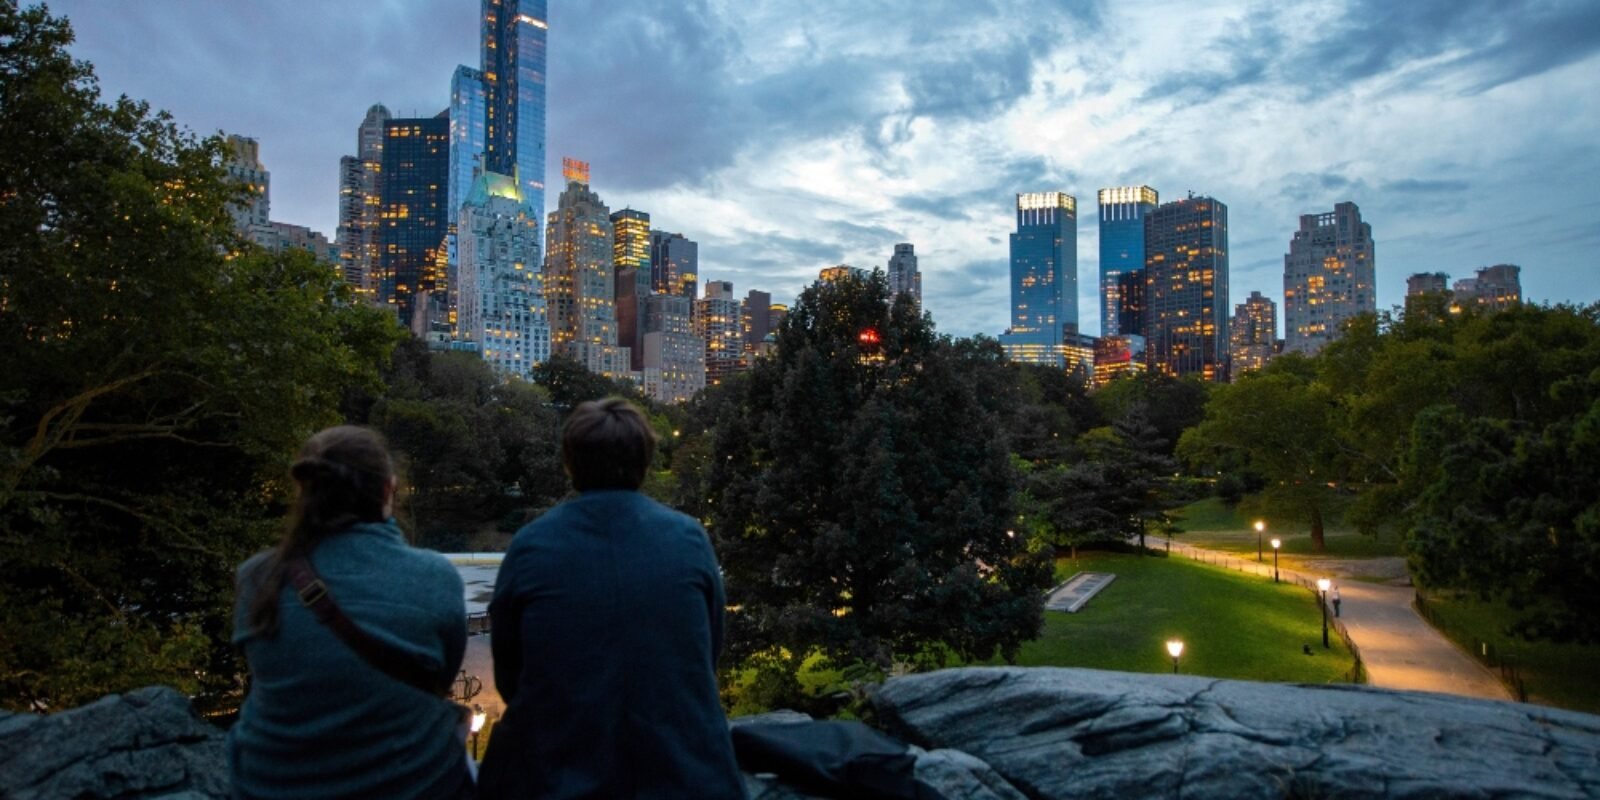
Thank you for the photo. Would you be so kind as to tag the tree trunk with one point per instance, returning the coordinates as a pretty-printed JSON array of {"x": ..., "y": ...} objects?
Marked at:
[
  {"x": 1317, "y": 542},
  {"x": 1141, "y": 538}
]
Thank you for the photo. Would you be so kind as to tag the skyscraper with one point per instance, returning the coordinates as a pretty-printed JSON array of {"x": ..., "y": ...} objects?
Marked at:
[
  {"x": 903, "y": 275},
  {"x": 413, "y": 192},
  {"x": 1044, "y": 279},
  {"x": 469, "y": 108},
  {"x": 716, "y": 321},
  {"x": 1186, "y": 288},
  {"x": 502, "y": 304},
  {"x": 1122, "y": 212},
  {"x": 244, "y": 167},
  {"x": 579, "y": 278},
  {"x": 755, "y": 321},
  {"x": 1328, "y": 277},
  {"x": 1492, "y": 288},
  {"x": 674, "y": 357},
  {"x": 1253, "y": 334},
  {"x": 513, "y": 68},
  {"x": 674, "y": 264},
  {"x": 360, "y": 206},
  {"x": 630, "y": 256}
]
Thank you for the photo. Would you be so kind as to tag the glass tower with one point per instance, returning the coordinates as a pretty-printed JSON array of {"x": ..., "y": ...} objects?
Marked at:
[
  {"x": 1186, "y": 288},
  {"x": 412, "y": 218},
  {"x": 1122, "y": 212},
  {"x": 631, "y": 259},
  {"x": 1044, "y": 278},
  {"x": 513, "y": 69},
  {"x": 469, "y": 99}
]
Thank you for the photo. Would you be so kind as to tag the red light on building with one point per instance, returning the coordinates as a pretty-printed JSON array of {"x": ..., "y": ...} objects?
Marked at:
[{"x": 869, "y": 336}]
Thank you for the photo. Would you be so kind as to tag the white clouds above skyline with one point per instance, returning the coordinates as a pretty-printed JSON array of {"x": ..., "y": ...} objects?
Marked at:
[{"x": 1465, "y": 129}]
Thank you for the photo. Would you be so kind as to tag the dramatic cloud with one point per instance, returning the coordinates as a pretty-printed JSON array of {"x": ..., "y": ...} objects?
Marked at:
[{"x": 787, "y": 139}]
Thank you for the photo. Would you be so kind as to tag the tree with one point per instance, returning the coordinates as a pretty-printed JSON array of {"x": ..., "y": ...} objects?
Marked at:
[
  {"x": 1116, "y": 489},
  {"x": 850, "y": 517},
  {"x": 1280, "y": 423},
  {"x": 1171, "y": 405},
  {"x": 162, "y": 374}
]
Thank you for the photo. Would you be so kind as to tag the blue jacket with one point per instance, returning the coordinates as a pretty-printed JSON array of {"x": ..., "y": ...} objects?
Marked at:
[
  {"x": 319, "y": 721},
  {"x": 607, "y": 620}
]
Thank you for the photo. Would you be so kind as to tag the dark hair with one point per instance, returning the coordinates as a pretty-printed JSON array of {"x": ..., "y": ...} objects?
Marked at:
[
  {"x": 341, "y": 478},
  {"x": 607, "y": 444}
]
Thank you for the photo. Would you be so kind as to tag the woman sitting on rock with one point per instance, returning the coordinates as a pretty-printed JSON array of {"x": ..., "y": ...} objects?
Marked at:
[{"x": 351, "y": 636}]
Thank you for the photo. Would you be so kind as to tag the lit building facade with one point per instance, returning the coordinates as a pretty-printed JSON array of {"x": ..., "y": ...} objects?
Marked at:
[
  {"x": 1122, "y": 212},
  {"x": 630, "y": 256},
  {"x": 674, "y": 264},
  {"x": 717, "y": 323},
  {"x": 502, "y": 306},
  {"x": 1252, "y": 335},
  {"x": 674, "y": 357},
  {"x": 1421, "y": 283},
  {"x": 1116, "y": 356},
  {"x": 281, "y": 237},
  {"x": 1044, "y": 279},
  {"x": 1328, "y": 278},
  {"x": 245, "y": 168},
  {"x": 840, "y": 272},
  {"x": 512, "y": 63},
  {"x": 1186, "y": 288},
  {"x": 904, "y": 279},
  {"x": 469, "y": 108},
  {"x": 413, "y": 194},
  {"x": 361, "y": 207},
  {"x": 579, "y": 278},
  {"x": 1493, "y": 288}
]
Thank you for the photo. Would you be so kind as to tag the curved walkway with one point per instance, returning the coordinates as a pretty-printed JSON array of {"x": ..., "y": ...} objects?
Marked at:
[{"x": 1399, "y": 649}]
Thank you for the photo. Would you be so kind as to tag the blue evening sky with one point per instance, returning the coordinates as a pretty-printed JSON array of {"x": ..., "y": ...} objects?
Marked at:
[{"x": 786, "y": 137}]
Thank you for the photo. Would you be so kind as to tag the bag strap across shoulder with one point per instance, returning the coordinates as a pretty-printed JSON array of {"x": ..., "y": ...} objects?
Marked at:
[{"x": 313, "y": 594}]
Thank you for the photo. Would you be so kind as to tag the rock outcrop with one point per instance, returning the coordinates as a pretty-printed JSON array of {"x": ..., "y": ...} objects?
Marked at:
[
  {"x": 989, "y": 734},
  {"x": 144, "y": 745},
  {"x": 1066, "y": 733}
]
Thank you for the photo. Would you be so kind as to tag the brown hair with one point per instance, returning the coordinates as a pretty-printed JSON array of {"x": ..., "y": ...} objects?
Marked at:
[
  {"x": 607, "y": 444},
  {"x": 341, "y": 478}
]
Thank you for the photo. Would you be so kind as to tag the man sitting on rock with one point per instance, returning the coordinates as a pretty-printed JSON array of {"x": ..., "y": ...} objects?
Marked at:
[{"x": 607, "y": 621}]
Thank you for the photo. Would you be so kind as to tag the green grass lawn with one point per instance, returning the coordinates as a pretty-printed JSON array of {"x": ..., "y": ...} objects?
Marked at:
[
  {"x": 1564, "y": 675},
  {"x": 1211, "y": 524},
  {"x": 1232, "y": 626}
]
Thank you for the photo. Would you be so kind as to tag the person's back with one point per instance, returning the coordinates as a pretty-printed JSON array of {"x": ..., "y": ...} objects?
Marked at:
[
  {"x": 607, "y": 619},
  {"x": 320, "y": 721}
]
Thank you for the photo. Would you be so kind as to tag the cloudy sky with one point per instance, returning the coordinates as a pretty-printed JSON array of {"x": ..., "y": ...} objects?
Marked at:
[{"x": 786, "y": 136}]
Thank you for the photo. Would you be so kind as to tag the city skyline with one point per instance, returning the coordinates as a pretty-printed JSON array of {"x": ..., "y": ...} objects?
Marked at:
[{"x": 782, "y": 147}]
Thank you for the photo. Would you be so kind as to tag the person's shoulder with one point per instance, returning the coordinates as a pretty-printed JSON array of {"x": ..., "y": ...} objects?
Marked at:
[{"x": 252, "y": 568}]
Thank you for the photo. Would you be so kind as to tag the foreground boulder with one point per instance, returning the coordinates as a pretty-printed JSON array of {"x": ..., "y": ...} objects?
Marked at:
[
  {"x": 1065, "y": 733},
  {"x": 144, "y": 745}
]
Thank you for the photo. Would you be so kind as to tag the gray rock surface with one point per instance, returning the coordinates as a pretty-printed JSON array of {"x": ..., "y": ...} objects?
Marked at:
[
  {"x": 143, "y": 745},
  {"x": 1066, "y": 733}
]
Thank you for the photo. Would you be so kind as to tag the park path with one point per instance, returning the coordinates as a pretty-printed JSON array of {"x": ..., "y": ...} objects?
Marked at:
[{"x": 1399, "y": 649}]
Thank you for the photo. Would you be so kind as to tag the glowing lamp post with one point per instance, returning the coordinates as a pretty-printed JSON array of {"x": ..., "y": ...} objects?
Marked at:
[
  {"x": 1175, "y": 649},
  {"x": 1276, "y": 543},
  {"x": 478, "y": 718},
  {"x": 1322, "y": 588},
  {"x": 1260, "y": 526}
]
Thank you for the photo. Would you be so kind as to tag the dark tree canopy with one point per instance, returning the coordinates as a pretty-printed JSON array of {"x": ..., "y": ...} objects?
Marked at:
[
  {"x": 159, "y": 376},
  {"x": 860, "y": 493}
]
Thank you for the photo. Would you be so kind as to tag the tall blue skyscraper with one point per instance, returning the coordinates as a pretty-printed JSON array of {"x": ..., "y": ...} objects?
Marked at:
[
  {"x": 469, "y": 137},
  {"x": 1122, "y": 211},
  {"x": 1186, "y": 288},
  {"x": 513, "y": 67},
  {"x": 1044, "y": 279}
]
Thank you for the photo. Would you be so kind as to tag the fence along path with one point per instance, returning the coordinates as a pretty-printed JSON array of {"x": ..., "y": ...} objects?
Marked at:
[{"x": 1394, "y": 646}]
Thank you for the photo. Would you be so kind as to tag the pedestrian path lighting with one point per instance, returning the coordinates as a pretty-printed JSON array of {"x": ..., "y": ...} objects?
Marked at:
[
  {"x": 1260, "y": 526},
  {"x": 477, "y": 725},
  {"x": 1175, "y": 649},
  {"x": 1276, "y": 543},
  {"x": 1322, "y": 586}
]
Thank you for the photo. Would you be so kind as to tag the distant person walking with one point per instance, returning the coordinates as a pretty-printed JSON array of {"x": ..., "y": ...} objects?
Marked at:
[
  {"x": 324, "y": 719},
  {"x": 1336, "y": 600},
  {"x": 607, "y": 619}
]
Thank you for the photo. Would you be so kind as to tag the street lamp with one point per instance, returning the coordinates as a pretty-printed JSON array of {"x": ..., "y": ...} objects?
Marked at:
[
  {"x": 1260, "y": 526},
  {"x": 1322, "y": 586},
  {"x": 477, "y": 725},
  {"x": 1276, "y": 543},
  {"x": 1175, "y": 649}
]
